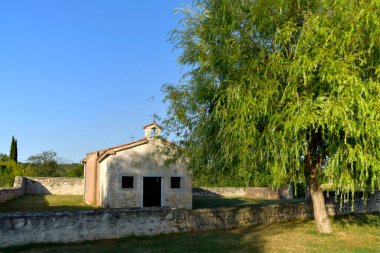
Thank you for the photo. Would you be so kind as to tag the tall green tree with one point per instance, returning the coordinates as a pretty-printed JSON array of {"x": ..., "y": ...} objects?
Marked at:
[
  {"x": 13, "y": 151},
  {"x": 286, "y": 88},
  {"x": 44, "y": 164},
  {"x": 4, "y": 157}
]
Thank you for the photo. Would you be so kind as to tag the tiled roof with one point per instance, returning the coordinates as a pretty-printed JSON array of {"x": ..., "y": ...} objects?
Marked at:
[{"x": 112, "y": 150}]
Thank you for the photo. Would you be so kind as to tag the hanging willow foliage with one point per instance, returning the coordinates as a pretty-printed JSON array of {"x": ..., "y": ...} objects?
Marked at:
[
  {"x": 317, "y": 72},
  {"x": 281, "y": 88}
]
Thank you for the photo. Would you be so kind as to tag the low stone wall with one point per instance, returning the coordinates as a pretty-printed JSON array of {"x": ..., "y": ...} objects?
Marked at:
[
  {"x": 11, "y": 193},
  {"x": 219, "y": 191},
  {"x": 54, "y": 185},
  {"x": 73, "y": 226},
  {"x": 285, "y": 192},
  {"x": 372, "y": 203},
  {"x": 42, "y": 186}
]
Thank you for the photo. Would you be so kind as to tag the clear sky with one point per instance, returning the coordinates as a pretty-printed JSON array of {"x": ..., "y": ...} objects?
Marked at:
[{"x": 81, "y": 75}]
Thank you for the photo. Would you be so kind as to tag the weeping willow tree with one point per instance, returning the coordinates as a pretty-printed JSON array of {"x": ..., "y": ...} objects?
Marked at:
[{"x": 286, "y": 88}]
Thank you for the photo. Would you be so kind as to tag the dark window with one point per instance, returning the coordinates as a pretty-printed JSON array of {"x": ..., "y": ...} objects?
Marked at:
[
  {"x": 175, "y": 182},
  {"x": 126, "y": 182}
]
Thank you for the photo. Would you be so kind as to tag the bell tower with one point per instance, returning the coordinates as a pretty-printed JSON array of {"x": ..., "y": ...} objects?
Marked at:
[{"x": 152, "y": 130}]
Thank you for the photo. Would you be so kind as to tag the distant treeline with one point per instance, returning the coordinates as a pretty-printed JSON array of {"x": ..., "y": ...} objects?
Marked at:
[{"x": 45, "y": 164}]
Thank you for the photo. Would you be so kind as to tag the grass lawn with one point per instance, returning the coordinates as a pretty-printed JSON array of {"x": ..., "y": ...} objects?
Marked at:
[
  {"x": 75, "y": 202},
  {"x": 350, "y": 234},
  {"x": 45, "y": 203},
  {"x": 219, "y": 201}
]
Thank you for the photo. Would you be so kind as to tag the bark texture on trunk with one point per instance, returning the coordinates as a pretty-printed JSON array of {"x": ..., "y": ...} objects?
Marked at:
[
  {"x": 313, "y": 163},
  {"x": 320, "y": 214}
]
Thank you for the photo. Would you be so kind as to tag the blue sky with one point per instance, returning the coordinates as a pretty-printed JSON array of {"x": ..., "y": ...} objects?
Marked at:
[{"x": 79, "y": 75}]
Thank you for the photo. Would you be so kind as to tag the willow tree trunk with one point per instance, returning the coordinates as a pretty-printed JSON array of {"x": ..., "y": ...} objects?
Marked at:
[{"x": 313, "y": 165}]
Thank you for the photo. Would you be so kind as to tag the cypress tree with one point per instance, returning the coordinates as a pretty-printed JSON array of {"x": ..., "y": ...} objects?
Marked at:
[{"x": 13, "y": 151}]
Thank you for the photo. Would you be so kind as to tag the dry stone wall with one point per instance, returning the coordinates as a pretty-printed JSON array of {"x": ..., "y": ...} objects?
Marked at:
[
  {"x": 285, "y": 192},
  {"x": 73, "y": 226},
  {"x": 54, "y": 185},
  {"x": 42, "y": 186},
  {"x": 359, "y": 205},
  {"x": 11, "y": 193}
]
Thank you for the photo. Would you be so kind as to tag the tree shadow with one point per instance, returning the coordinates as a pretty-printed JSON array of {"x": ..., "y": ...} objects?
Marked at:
[
  {"x": 218, "y": 201},
  {"x": 33, "y": 187},
  {"x": 351, "y": 211},
  {"x": 25, "y": 203},
  {"x": 369, "y": 220},
  {"x": 44, "y": 203},
  {"x": 246, "y": 239}
]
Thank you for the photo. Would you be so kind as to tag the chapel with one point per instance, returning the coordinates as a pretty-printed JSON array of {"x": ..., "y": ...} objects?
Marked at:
[{"x": 135, "y": 175}]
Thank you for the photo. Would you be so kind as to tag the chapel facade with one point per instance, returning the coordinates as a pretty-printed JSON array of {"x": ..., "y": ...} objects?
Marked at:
[{"x": 135, "y": 175}]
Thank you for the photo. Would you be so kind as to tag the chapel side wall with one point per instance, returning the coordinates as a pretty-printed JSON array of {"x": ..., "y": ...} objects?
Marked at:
[
  {"x": 90, "y": 179},
  {"x": 103, "y": 184},
  {"x": 97, "y": 185}
]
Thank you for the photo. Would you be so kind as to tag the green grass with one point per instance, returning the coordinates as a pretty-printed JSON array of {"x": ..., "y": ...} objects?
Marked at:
[
  {"x": 219, "y": 201},
  {"x": 350, "y": 234},
  {"x": 75, "y": 202},
  {"x": 45, "y": 203}
]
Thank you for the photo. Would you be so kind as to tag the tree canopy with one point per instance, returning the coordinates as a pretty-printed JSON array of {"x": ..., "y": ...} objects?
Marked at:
[
  {"x": 13, "y": 153},
  {"x": 288, "y": 89}
]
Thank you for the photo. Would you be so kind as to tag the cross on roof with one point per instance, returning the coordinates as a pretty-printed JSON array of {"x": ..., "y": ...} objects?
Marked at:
[{"x": 154, "y": 116}]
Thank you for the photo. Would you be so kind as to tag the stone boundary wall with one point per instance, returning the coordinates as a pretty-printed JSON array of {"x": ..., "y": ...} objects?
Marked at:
[
  {"x": 11, "y": 193},
  {"x": 42, "y": 186},
  {"x": 285, "y": 192},
  {"x": 372, "y": 203},
  {"x": 72, "y": 226},
  {"x": 54, "y": 185}
]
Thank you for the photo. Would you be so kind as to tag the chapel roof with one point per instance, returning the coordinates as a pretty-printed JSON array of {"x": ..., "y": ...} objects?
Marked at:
[{"x": 104, "y": 153}]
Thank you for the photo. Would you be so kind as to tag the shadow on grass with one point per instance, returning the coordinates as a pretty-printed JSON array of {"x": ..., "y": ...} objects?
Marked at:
[
  {"x": 295, "y": 236},
  {"x": 216, "y": 241},
  {"x": 220, "y": 201},
  {"x": 369, "y": 220},
  {"x": 44, "y": 203}
]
